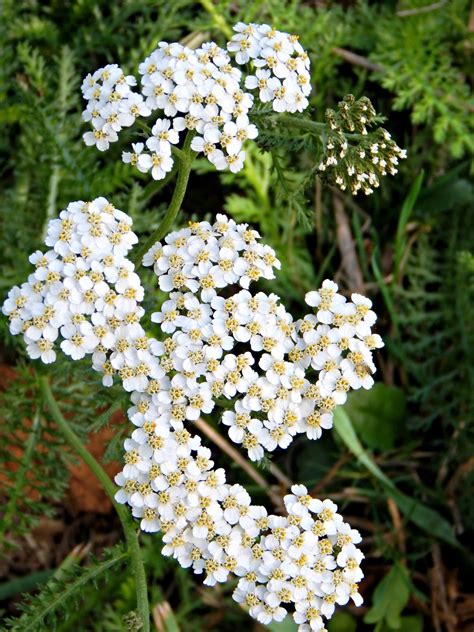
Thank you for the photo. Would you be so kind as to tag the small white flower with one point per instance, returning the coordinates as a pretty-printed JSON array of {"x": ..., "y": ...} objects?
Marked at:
[
  {"x": 100, "y": 138},
  {"x": 158, "y": 163}
]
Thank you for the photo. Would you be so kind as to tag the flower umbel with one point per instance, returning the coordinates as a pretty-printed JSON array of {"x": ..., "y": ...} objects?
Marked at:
[
  {"x": 85, "y": 291},
  {"x": 202, "y": 92},
  {"x": 199, "y": 90}
]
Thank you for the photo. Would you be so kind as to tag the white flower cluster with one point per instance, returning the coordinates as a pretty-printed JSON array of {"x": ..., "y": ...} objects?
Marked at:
[
  {"x": 281, "y": 65},
  {"x": 201, "y": 91},
  {"x": 197, "y": 90},
  {"x": 359, "y": 168},
  {"x": 85, "y": 291},
  {"x": 273, "y": 392},
  {"x": 111, "y": 105},
  {"x": 85, "y": 288}
]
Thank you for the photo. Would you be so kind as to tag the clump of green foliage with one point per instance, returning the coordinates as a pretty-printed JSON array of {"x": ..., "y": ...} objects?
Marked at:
[{"x": 409, "y": 244}]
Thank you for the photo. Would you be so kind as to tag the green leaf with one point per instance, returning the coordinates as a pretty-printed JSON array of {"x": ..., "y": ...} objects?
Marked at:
[
  {"x": 407, "y": 208},
  {"x": 427, "y": 519},
  {"x": 342, "y": 622},
  {"x": 424, "y": 517},
  {"x": 21, "y": 478},
  {"x": 390, "y": 598},
  {"x": 377, "y": 415},
  {"x": 242, "y": 209},
  {"x": 314, "y": 459},
  {"x": 23, "y": 584},
  {"x": 449, "y": 191},
  {"x": 414, "y": 623},
  {"x": 55, "y": 597}
]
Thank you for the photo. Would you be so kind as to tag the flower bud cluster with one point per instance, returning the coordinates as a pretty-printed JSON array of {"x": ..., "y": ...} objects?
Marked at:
[
  {"x": 359, "y": 166},
  {"x": 86, "y": 289},
  {"x": 280, "y": 62},
  {"x": 352, "y": 115},
  {"x": 111, "y": 105}
]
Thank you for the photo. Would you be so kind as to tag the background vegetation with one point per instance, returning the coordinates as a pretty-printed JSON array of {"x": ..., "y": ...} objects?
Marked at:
[{"x": 405, "y": 479}]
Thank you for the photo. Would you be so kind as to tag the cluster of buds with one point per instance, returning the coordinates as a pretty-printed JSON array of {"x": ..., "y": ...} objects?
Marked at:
[
  {"x": 86, "y": 290},
  {"x": 355, "y": 158},
  {"x": 201, "y": 91},
  {"x": 351, "y": 115}
]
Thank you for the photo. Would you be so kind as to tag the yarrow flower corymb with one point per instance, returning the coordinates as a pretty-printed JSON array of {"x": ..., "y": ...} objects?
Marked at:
[
  {"x": 86, "y": 294},
  {"x": 111, "y": 105},
  {"x": 213, "y": 97},
  {"x": 198, "y": 91},
  {"x": 281, "y": 65}
]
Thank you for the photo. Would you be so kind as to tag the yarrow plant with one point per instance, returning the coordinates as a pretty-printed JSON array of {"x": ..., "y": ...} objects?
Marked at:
[
  {"x": 199, "y": 91},
  {"x": 86, "y": 293},
  {"x": 223, "y": 347}
]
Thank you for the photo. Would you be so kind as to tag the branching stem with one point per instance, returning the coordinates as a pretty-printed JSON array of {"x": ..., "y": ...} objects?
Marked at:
[
  {"x": 315, "y": 127},
  {"x": 131, "y": 535},
  {"x": 186, "y": 156}
]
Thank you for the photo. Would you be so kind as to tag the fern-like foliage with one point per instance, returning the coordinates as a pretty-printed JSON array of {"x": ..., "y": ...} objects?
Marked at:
[
  {"x": 57, "y": 598},
  {"x": 31, "y": 454},
  {"x": 34, "y": 460},
  {"x": 438, "y": 334},
  {"x": 425, "y": 64}
]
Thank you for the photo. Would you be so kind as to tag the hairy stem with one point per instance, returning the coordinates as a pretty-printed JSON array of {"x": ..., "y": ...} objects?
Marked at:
[
  {"x": 131, "y": 535},
  {"x": 314, "y": 127},
  {"x": 301, "y": 123},
  {"x": 185, "y": 158},
  {"x": 21, "y": 477}
]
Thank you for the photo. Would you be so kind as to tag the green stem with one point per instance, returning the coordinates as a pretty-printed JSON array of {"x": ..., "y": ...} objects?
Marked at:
[
  {"x": 218, "y": 19},
  {"x": 52, "y": 197},
  {"x": 185, "y": 162},
  {"x": 178, "y": 153},
  {"x": 144, "y": 127},
  {"x": 131, "y": 535},
  {"x": 301, "y": 123},
  {"x": 20, "y": 477},
  {"x": 153, "y": 187},
  {"x": 315, "y": 127}
]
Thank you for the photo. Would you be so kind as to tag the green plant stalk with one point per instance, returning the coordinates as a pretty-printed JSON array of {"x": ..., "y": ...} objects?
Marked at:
[
  {"x": 52, "y": 197},
  {"x": 424, "y": 517},
  {"x": 20, "y": 479},
  {"x": 218, "y": 19},
  {"x": 185, "y": 158},
  {"x": 131, "y": 535},
  {"x": 314, "y": 127}
]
